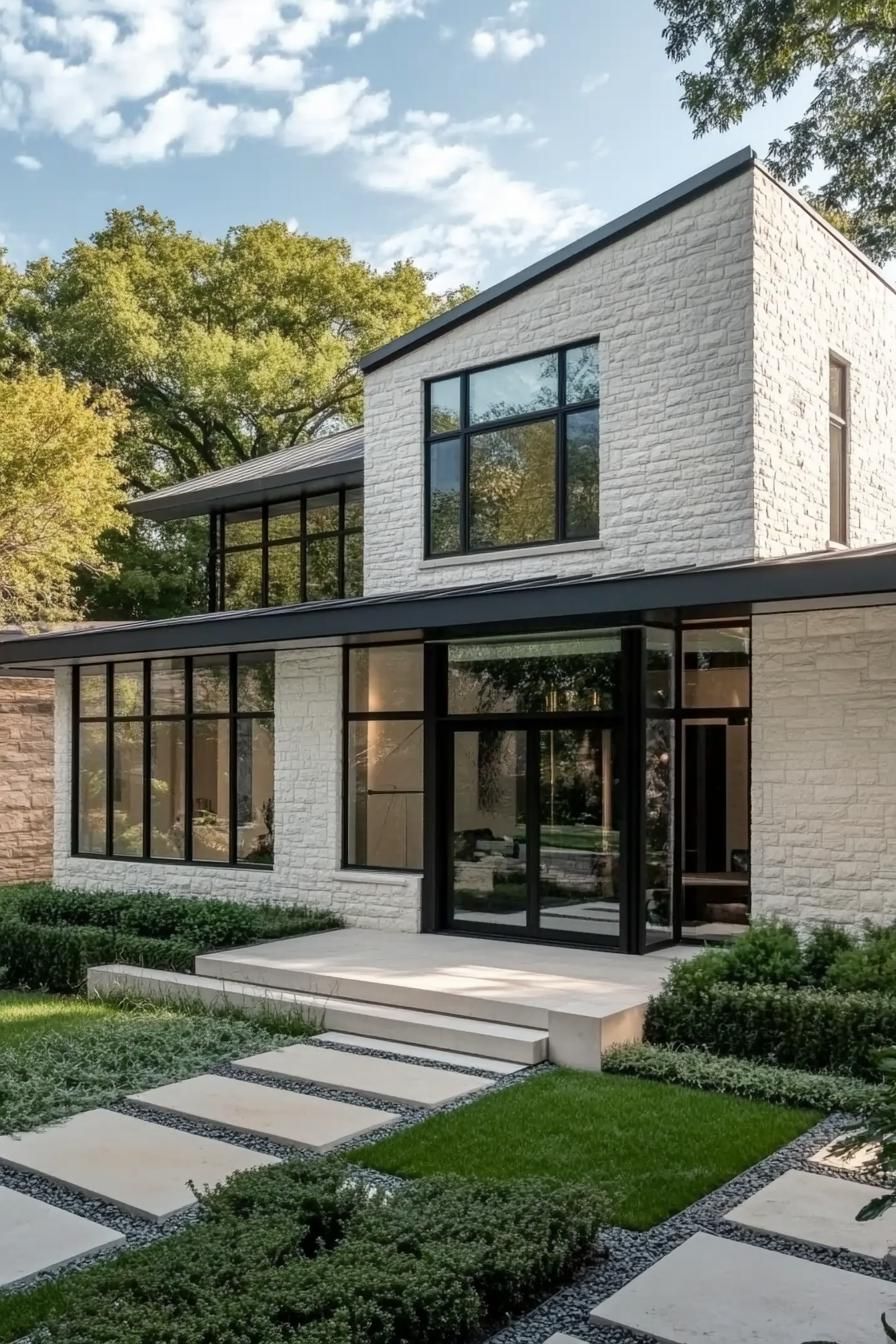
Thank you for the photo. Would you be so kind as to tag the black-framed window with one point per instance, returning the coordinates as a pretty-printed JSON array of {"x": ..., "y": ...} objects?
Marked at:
[
  {"x": 838, "y": 439},
  {"x": 279, "y": 555},
  {"x": 383, "y": 757},
  {"x": 512, "y": 453},
  {"x": 173, "y": 759}
]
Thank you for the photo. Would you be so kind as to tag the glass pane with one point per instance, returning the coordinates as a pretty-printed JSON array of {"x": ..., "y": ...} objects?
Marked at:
[
  {"x": 284, "y": 580},
  {"x": 354, "y": 508},
  {"x": 242, "y": 580},
  {"x": 127, "y": 689},
  {"x": 444, "y": 496},
  {"x": 243, "y": 528},
  {"x": 255, "y": 791},
  {"x": 285, "y": 521},
  {"x": 660, "y": 653},
  {"x": 838, "y": 521},
  {"x": 569, "y": 673},
  {"x": 255, "y": 682},
  {"x": 444, "y": 406},
  {"x": 127, "y": 788},
  {"x": 717, "y": 667},
  {"x": 387, "y": 677},
  {"x": 92, "y": 788},
  {"x": 322, "y": 580},
  {"x": 211, "y": 790},
  {"x": 489, "y": 840},
  {"x": 354, "y": 565},
  {"x": 514, "y": 389},
  {"x": 211, "y": 684},
  {"x": 167, "y": 685},
  {"x": 659, "y": 828},
  {"x": 513, "y": 485},
  {"x": 92, "y": 695},
  {"x": 582, "y": 374},
  {"x": 167, "y": 791},
  {"x": 323, "y": 514},
  {"x": 582, "y": 474},
  {"x": 578, "y": 876},
  {"x": 715, "y": 876},
  {"x": 838, "y": 389},
  {"x": 385, "y": 794}
]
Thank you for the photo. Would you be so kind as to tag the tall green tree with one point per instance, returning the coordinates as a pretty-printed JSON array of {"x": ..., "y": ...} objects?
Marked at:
[{"x": 756, "y": 50}]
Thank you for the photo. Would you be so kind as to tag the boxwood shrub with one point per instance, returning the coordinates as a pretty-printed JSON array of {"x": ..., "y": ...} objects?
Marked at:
[
  {"x": 306, "y": 1252},
  {"x": 741, "y": 1077},
  {"x": 49, "y": 937}
]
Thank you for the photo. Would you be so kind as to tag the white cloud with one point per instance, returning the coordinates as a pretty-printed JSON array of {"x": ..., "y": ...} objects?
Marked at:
[
  {"x": 292, "y": 224},
  {"x": 518, "y": 7},
  {"x": 28, "y": 162},
  {"x": 510, "y": 44},
  {"x": 182, "y": 120},
  {"x": 594, "y": 82},
  {"x": 325, "y": 118}
]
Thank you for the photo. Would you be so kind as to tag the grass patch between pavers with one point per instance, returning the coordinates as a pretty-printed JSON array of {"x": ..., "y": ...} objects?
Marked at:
[
  {"x": 26, "y": 1016},
  {"x": 653, "y": 1148}
]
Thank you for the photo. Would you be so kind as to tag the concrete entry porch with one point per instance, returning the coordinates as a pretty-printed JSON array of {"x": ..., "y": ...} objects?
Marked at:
[{"x": 583, "y": 999}]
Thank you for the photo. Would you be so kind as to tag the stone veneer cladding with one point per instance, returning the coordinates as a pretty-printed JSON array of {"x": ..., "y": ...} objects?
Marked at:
[
  {"x": 824, "y": 765},
  {"x": 672, "y": 306},
  {"x": 26, "y": 778},
  {"x": 308, "y": 817}
]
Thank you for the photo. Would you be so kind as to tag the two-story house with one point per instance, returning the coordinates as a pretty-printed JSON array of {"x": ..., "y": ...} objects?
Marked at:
[{"x": 586, "y": 636}]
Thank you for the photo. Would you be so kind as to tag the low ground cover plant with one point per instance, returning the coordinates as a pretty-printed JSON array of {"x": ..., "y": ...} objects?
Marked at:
[
  {"x": 651, "y": 1147},
  {"x": 305, "y": 1252},
  {"x": 741, "y": 1077},
  {"x": 49, "y": 937},
  {"x": 49, "y": 1075},
  {"x": 828, "y": 1004}
]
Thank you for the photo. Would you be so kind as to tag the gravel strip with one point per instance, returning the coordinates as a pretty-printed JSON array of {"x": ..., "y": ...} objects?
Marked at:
[
  {"x": 406, "y": 1059},
  {"x": 631, "y": 1253}
]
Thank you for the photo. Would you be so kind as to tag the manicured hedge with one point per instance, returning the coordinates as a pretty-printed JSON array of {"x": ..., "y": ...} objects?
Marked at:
[
  {"x": 741, "y": 1077},
  {"x": 814, "y": 1029},
  {"x": 48, "y": 937},
  {"x": 301, "y": 1252}
]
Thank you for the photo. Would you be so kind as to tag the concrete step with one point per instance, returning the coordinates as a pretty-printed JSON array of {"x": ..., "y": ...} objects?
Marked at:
[
  {"x": 290, "y": 963},
  {"x": 519, "y": 1045}
]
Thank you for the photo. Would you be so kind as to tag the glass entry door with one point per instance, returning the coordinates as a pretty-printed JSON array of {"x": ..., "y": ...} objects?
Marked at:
[{"x": 534, "y": 830}]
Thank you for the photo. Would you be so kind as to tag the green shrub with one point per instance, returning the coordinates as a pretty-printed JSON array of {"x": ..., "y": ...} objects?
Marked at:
[
  {"x": 814, "y": 1029},
  {"x": 302, "y": 1252},
  {"x": 56, "y": 957},
  {"x": 767, "y": 954},
  {"x": 740, "y": 1077},
  {"x": 869, "y": 966},
  {"x": 822, "y": 948}
]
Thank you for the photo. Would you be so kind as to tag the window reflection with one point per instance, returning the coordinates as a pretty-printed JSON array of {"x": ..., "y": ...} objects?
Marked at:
[{"x": 564, "y": 674}]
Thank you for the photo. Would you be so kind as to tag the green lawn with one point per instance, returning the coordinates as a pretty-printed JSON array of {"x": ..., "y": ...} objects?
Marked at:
[
  {"x": 654, "y": 1148},
  {"x": 25, "y": 1016}
]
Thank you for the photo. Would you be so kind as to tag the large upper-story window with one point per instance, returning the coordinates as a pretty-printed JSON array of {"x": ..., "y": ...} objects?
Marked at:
[
  {"x": 512, "y": 453},
  {"x": 277, "y": 555},
  {"x": 174, "y": 759}
]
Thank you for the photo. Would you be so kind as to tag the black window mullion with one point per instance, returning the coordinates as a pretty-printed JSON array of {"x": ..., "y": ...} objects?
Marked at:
[
  {"x": 188, "y": 760},
  {"x": 340, "y": 548},
  {"x": 533, "y": 826},
  {"x": 560, "y": 468},
  {"x": 147, "y": 761},
  {"x": 232, "y": 754},
  {"x": 110, "y": 755},
  {"x": 265, "y": 510}
]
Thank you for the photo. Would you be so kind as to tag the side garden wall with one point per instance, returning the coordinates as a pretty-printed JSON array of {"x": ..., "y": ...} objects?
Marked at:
[
  {"x": 26, "y": 778},
  {"x": 824, "y": 766}
]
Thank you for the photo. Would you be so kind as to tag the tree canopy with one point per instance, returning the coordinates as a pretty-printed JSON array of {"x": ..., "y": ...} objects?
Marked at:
[
  {"x": 60, "y": 491},
  {"x": 223, "y": 350},
  {"x": 756, "y": 50}
]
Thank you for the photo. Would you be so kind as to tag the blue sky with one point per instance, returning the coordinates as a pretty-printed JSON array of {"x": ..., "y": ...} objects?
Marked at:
[{"x": 472, "y": 135}]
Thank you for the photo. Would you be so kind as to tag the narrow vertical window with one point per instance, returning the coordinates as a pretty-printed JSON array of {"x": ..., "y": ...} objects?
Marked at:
[{"x": 839, "y": 450}]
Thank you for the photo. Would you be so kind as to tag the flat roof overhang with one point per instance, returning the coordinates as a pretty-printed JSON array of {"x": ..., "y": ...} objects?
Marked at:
[
  {"x": 273, "y": 489},
  {"x": 824, "y": 579}
]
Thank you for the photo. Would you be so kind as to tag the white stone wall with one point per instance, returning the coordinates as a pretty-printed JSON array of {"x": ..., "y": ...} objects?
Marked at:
[
  {"x": 813, "y": 297},
  {"x": 307, "y": 805},
  {"x": 672, "y": 306},
  {"x": 824, "y": 766}
]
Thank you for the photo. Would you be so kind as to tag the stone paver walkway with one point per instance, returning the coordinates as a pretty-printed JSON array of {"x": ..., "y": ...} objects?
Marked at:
[
  {"x": 35, "y": 1237},
  {"x": 818, "y": 1211}
]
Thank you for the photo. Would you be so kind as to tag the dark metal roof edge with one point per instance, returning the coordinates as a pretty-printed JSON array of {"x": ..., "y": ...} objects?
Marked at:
[
  {"x": 566, "y": 256},
  {"x": 239, "y": 494},
  {"x": 819, "y": 577}
]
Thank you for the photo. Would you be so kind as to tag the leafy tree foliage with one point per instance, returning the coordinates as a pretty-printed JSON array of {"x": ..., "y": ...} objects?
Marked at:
[
  {"x": 59, "y": 491},
  {"x": 758, "y": 49},
  {"x": 224, "y": 350}
]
